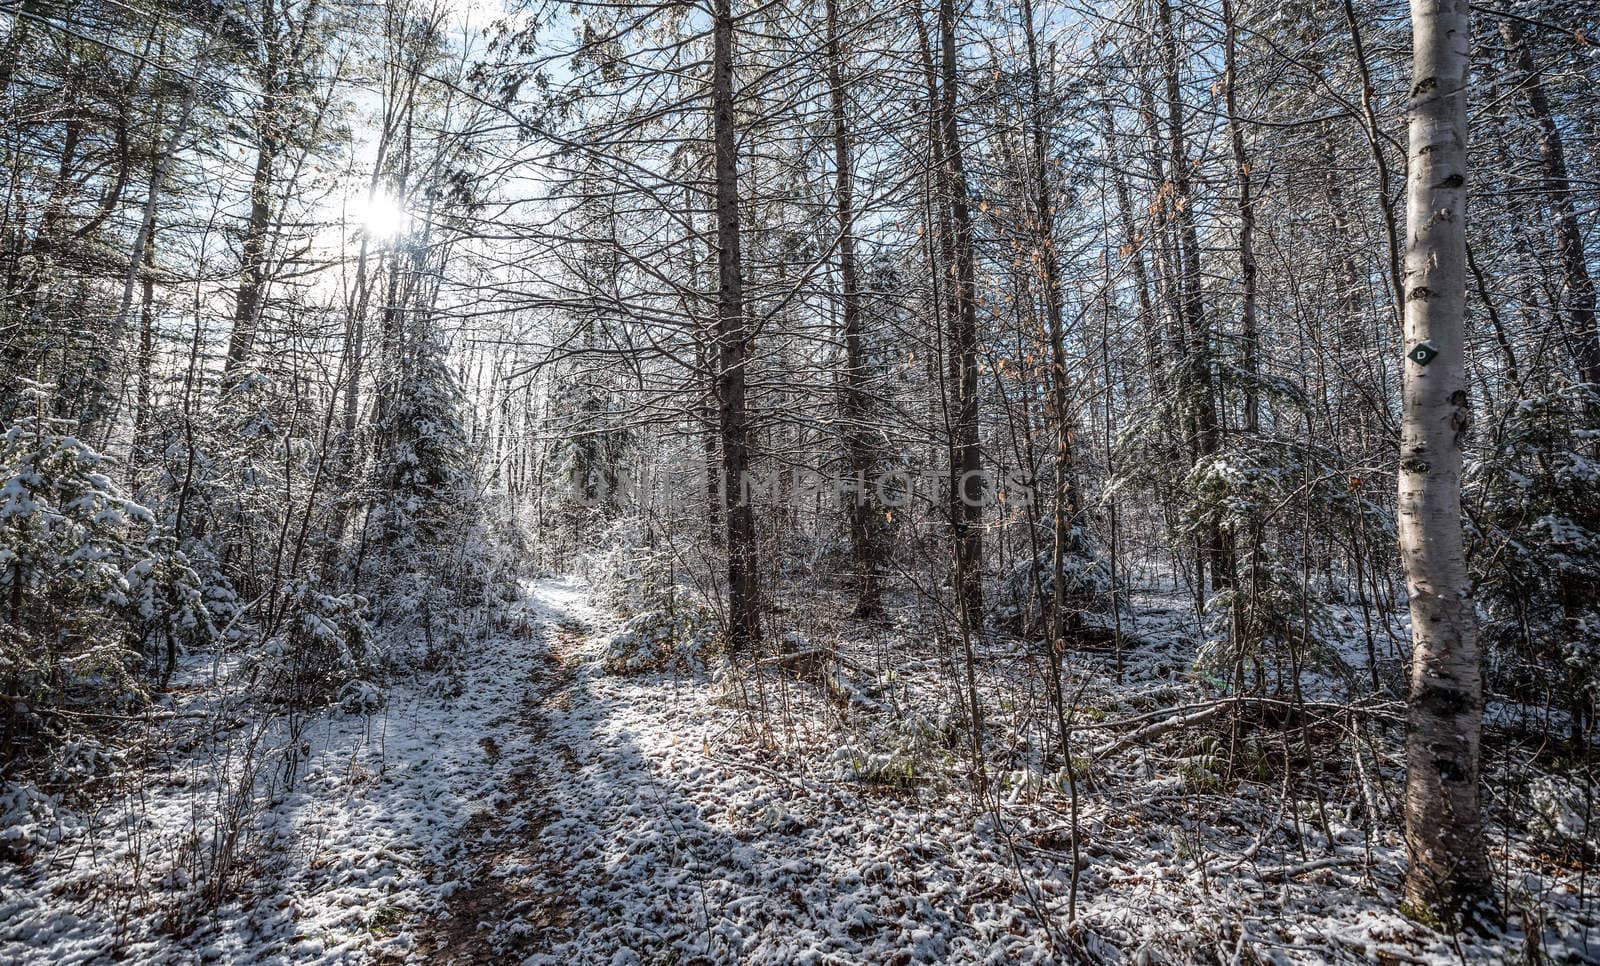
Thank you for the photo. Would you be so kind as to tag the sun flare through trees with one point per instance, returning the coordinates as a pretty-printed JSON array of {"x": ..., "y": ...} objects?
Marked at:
[{"x": 816, "y": 481}]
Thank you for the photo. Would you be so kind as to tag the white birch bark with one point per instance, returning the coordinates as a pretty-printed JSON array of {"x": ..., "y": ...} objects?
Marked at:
[{"x": 1448, "y": 879}]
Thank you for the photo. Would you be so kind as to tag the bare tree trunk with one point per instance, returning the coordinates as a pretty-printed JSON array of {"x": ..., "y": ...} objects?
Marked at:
[
  {"x": 1065, "y": 506},
  {"x": 863, "y": 522},
  {"x": 1166, "y": 270},
  {"x": 733, "y": 346},
  {"x": 141, "y": 241},
  {"x": 1575, "y": 280},
  {"x": 252, "y": 267},
  {"x": 1133, "y": 244},
  {"x": 1202, "y": 403},
  {"x": 1448, "y": 879},
  {"x": 965, "y": 456},
  {"x": 705, "y": 374},
  {"x": 1050, "y": 270},
  {"x": 21, "y": 24},
  {"x": 1249, "y": 337},
  {"x": 940, "y": 250},
  {"x": 1380, "y": 164},
  {"x": 144, "y": 370}
]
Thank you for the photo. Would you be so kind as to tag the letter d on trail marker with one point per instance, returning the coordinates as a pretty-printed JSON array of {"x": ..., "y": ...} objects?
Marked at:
[{"x": 1422, "y": 353}]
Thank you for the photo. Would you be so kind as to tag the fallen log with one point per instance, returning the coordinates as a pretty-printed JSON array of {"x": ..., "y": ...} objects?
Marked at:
[
  {"x": 806, "y": 663},
  {"x": 1195, "y": 713}
]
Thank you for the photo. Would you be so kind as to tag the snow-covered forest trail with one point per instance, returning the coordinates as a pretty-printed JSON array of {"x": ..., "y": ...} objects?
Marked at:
[
  {"x": 522, "y": 802},
  {"x": 1045, "y": 482},
  {"x": 340, "y": 836},
  {"x": 512, "y": 893},
  {"x": 517, "y": 804},
  {"x": 624, "y": 828},
  {"x": 641, "y": 818}
]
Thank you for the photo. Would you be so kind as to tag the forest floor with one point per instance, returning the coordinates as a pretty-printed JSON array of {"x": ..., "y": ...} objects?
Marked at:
[{"x": 525, "y": 805}]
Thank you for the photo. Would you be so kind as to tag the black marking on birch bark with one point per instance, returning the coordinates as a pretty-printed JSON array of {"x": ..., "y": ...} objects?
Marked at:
[
  {"x": 1453, "y": 181},
  {"x": 1420, "y": 292},
  {"x": 1447, "y": 702}
]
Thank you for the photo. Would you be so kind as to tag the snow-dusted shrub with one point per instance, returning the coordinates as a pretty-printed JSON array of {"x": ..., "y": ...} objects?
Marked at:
[
  {"x": 360, "y": 697},
  {"x": 89, "y": 583},
  {"x": 1563, "y": 813},
  {"x": 912, "y": 750},
  {"x": 323, "y": 645},
  {"x": 662, "y": 640},
  {"x": 27, "y": 820},
  {"x": 229, "y": 484},
  {"x": 426, "y": 548},
  {"x": 635, "y": 575},
  {"x": 591, "y": 439},
  {"x": 171, "y": 602},
  {"x": 628, "y": 573},
  {"x": 1268, "y": 616},
  {"x": 80, "y": 758},
  {"x": 1029, "y": 589},
  {"x": 1533, "y": 497}
]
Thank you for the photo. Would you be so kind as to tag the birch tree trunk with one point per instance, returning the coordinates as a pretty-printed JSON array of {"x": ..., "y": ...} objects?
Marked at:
[{"x": 1448, "y": 880}]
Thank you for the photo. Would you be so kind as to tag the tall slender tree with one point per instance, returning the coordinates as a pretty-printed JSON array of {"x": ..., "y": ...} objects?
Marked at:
[
  {"x": 733, "y": 345},
  {"x": 966, "y": 455},
  {"x": 1577, "y": 285},
  {"x": 1449, "y": 873},
  {"x": 863, "y": 518}
]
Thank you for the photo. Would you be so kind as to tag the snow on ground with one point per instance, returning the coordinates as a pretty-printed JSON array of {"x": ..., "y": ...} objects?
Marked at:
[
  {"x": 526, "y": 806},
  {"x": 331, "y": 870}
]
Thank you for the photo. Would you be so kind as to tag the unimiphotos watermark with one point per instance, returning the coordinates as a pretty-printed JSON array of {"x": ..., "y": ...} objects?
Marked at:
[{"x": 800, "y": 487}]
